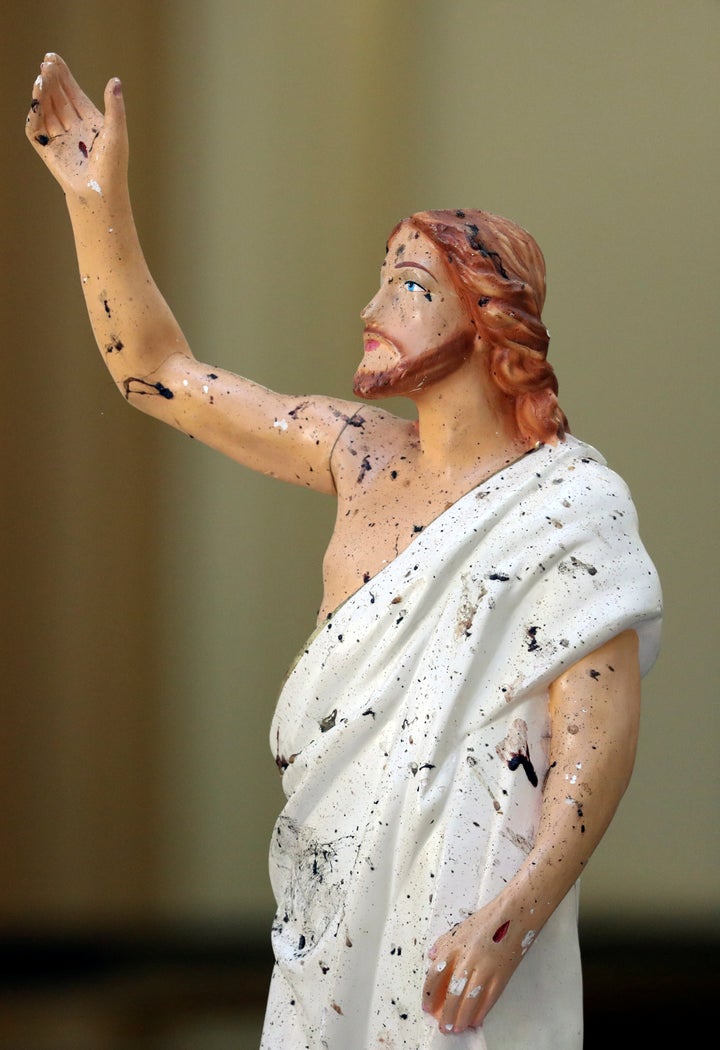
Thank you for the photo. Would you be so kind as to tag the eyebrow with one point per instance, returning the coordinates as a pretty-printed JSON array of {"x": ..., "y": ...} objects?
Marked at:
[{"x": 416, "y": 265}]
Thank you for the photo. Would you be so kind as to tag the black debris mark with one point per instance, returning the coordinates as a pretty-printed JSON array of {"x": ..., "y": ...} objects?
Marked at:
[
  {"x": 547, "y": 774},
  {"x": 575, "y": 563},
  {"x": 42, "y": 139},
  {"x": 520, "y": 759},
  {"x": 280, "y": 761},
  {"x": 393, "y": 474},
  {"x": 298, "y": 408},
  {"x": 356, "y": 421},
  {"x": 152, "y": 388},
  {"x": 365, "y": 466},
  {"x": 369, "y": 712},
  {"x": 594, "y": 674},
  {"x": 418, "y": 528},
  {"x": 499, "y": 576},
  {"x": 460, "y": 214},
  {"x": 366, "y": 577},
  {"x": 301, "y": 942},
  {"x": 477, "y": 245},
  {"x": 483, "y": 300},
  {"x": 427, "y": 765},
  {"x": 323, "y": 967},
  {"x": 107, "y": 308},
  {"x": 211, "y": 375},
  {"x": 328, "y": 721},
  {"x": 533, "y": 644},
  {"x": 83, "y": 149},
  {"x": 117, "y": 344}
]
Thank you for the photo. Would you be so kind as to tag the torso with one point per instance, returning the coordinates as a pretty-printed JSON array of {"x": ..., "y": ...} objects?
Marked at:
[{"x": 384, "y": 501}]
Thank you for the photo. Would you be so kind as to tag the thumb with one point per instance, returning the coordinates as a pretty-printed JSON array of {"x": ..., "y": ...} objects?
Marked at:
[
  {"x": 115, "y": 131},
  {"x": 115, "y": 108}
]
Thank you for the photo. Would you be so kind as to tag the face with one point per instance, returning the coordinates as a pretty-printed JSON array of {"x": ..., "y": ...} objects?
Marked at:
[{"x": 417, "y": 329}]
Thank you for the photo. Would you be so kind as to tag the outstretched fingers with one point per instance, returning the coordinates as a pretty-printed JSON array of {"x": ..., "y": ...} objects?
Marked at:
[
  {"x": 58, "y": 107},
  {"x": 75, "y": 98},
  {"x": 82, "y": 147},
  {"x": 35, "y": 126}
]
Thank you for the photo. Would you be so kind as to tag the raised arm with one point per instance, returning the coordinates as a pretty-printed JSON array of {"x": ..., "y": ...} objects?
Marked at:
[
  {"x": 137, "y": 334},
  {"x": 594, "y": 712}
]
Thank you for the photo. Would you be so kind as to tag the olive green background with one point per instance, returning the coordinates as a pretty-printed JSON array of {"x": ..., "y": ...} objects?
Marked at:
[{"x": 154, "y": 593}]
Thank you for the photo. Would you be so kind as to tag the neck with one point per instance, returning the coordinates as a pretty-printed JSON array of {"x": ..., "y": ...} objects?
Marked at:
[{"x": 465, "y": 427}]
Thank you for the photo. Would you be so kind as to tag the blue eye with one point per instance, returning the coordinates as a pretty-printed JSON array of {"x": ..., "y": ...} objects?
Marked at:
[{"x": 415, "y": 286}]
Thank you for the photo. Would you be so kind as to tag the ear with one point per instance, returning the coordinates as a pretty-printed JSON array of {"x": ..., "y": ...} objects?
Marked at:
[{"x": 510, "y": 363}]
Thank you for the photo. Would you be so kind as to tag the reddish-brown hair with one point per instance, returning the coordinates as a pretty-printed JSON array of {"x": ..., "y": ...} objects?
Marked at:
[{"x": 499, "y": 272}]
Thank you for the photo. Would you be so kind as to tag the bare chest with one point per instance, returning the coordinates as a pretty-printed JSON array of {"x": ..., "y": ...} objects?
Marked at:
[{"x": 372, "y": 528}]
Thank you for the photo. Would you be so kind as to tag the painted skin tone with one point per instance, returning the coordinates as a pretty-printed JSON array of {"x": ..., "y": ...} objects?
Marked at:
[{"x": 418, "y": 342}]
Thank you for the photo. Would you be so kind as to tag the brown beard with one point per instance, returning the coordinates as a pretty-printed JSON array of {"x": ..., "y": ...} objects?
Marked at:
[{"x": 415, "y": 373}]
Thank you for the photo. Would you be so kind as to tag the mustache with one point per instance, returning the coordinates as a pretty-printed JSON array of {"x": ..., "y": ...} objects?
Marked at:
[
  {"x": 375, "y": 330},
  {"x": 410, "y": 375}
]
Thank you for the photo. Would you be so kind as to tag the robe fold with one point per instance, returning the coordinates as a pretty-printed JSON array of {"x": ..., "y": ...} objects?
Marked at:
[{"x": 413, "y": 731}]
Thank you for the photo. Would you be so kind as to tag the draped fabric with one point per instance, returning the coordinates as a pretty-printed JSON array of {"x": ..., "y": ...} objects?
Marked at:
[{"x": 413, "y": 733}]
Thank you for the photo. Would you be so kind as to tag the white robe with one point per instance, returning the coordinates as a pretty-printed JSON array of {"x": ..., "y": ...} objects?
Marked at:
[{"x": 413, "y": 733}]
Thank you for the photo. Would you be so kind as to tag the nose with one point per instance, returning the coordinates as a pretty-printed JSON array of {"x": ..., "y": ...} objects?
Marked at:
[
  {"x": 366, "y": 312},
  {"x": 370, "y": 312}
]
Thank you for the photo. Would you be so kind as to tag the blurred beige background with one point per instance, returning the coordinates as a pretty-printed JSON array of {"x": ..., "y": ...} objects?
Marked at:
[{"x": 154, "y": 593}]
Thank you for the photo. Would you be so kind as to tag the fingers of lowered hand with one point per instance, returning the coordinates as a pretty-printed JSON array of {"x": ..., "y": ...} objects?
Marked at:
[
  {"x": 436, "y": 985},
  {"x": 453, "y": 995},
  {"x": 466, "y": 1003}
]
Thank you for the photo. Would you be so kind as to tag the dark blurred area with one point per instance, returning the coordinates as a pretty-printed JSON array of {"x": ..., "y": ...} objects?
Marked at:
[
  {"x": 200, "y": 989},
  {"x": 194, "y": 989}
]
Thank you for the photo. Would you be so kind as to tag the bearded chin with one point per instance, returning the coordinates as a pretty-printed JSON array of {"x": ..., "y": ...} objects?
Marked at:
[{"x": 416, "y": 373}]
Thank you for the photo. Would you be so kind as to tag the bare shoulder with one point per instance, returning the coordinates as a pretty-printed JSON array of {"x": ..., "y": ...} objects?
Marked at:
[{"x": 373, "y": 439}]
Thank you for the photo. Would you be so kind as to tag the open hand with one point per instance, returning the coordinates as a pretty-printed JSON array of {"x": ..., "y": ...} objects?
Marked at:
[
  {"x": 85, "y": 150},
  {"x": 470, "y": 965}
]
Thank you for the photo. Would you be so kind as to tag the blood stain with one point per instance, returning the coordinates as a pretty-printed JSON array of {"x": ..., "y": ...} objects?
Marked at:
[{"x": 501, "y": 931}]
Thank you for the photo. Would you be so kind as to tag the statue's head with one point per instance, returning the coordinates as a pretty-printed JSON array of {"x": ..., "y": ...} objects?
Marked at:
[{"x": 488, "y": 291}]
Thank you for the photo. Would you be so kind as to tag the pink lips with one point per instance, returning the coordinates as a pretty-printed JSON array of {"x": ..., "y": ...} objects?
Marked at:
[{"x": 372, "y": 339}]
